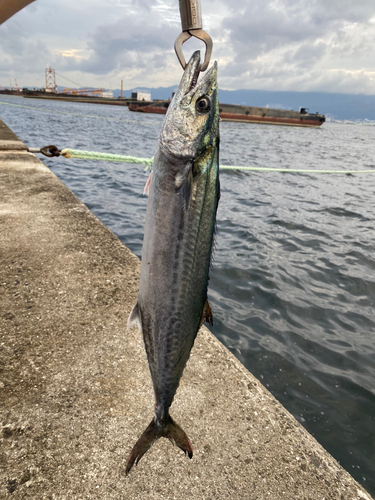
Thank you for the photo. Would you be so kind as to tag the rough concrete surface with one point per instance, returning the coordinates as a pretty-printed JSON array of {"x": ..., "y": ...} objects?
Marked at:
[{"x": 75, "y": 392}]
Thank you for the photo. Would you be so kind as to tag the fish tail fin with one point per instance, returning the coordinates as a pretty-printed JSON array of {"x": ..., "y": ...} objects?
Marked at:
[
  {"x": 145, "y": 442},
  {"x": 154, "y": 431},
  {"x": 178, "y": 436}
]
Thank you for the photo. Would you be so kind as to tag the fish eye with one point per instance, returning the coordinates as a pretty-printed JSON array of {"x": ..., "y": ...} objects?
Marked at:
[{"x": 203, "y": 105}]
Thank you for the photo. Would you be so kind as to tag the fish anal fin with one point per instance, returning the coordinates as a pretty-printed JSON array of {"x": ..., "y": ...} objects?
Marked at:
[
  {"x": 135, "y": 318},
  {"x": 207, "y": 314}
]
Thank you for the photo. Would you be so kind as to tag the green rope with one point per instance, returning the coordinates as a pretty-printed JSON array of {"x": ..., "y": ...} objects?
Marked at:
[
  {"x": 297, "y": 170},
  {"x": 91, "y": 155}
]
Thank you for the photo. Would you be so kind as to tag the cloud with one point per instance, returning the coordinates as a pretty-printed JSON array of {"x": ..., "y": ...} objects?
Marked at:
[
  {"x": 128, "y": 43},
  {"x": 261, "y": 27},
  {"x": 270, "y": 44},
  {"x": 19, "y": 53},
  {"x": 273, "y": 42}
]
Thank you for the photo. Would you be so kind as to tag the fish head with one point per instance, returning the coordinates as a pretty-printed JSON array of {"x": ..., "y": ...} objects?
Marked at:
[{"x": 192, "y": 120}]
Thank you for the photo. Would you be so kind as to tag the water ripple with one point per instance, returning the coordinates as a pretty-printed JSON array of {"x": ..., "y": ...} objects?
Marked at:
[{"x": 293, "y": 284}]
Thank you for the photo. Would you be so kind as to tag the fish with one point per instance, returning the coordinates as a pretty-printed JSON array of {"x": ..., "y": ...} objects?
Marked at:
[{"x": 184, "y": 192}]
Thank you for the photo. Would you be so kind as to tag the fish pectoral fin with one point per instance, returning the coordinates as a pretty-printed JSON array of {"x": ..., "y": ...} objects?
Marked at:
[
  {"x": 184, "y": 187},
  {"x": 207, "y": 314},
  {"x": 135, "y": 318},
  {"x": 146, "y": 189}
]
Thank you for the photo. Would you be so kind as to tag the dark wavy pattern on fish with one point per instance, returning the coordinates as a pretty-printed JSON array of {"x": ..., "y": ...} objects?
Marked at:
[{"x": 292, "y": 287}]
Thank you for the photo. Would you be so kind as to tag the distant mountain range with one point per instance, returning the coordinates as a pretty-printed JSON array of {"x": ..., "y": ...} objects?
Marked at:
[{"x": 354, "y": 107}]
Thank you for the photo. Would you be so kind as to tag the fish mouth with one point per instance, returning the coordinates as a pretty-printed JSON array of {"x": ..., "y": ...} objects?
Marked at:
[
  {"x": 190, "y": 77},
  {"x": 195, "y": 69},
  {"x": 189, "y": 82}
]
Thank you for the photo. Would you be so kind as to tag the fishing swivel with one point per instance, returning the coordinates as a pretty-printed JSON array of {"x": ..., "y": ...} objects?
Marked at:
[{"x": 191, "y": 22}]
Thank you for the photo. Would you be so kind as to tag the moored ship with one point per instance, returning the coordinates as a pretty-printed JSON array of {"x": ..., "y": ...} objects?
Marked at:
[
  {"x": 228, "y": 112},
  {"x": 246, "y": 114}
]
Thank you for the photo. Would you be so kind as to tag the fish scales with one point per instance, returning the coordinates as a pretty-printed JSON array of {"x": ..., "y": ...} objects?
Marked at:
[{"x": 176, "y": 254}]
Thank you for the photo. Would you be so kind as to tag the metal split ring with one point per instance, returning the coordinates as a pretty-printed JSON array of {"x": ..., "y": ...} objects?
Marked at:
[
  {"x": 49, "y": 151},
  {"x": 201, "y": 35}
]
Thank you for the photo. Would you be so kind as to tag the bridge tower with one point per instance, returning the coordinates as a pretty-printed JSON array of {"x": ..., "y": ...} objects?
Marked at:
[{"x": 51, "y": 80}]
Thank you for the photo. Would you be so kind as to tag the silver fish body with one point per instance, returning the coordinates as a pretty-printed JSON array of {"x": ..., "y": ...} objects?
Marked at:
[{"x": 176, "y": 255}]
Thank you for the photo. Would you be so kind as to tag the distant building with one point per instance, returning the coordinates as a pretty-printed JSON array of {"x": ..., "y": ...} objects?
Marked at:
[
  {"x": 108, "y": 93},
  {"x": 141, "y": 96}
]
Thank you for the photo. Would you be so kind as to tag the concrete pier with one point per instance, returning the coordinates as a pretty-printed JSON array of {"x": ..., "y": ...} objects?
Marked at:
[{"x": 75, "y": 391}]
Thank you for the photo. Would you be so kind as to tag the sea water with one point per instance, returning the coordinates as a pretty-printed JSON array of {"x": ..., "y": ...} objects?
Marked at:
[{"x": 292, "y": 286}]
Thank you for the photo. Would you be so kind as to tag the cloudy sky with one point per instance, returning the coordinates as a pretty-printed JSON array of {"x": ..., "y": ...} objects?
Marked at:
[{"x": 309, "y": 45}]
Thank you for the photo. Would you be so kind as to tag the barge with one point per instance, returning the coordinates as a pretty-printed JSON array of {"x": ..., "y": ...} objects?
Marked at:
[
  {"x": 246, "y": 114},
  {"x": 114, "y": 101},
  {"x": 228, "y": 112},
  {"x": 69, "y": 97}
]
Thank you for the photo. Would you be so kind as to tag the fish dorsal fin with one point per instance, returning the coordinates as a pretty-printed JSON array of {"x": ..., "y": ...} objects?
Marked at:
[
  {"x": 135, "y": 318},
  {"x": 184, "y": 187},
  {"x": 207, "y": 314}
]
